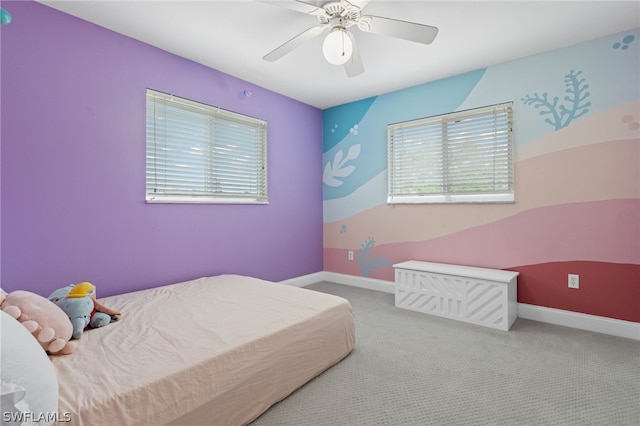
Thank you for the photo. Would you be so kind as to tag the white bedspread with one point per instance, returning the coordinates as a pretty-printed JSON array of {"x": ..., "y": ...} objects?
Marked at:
[{"x": 217, "y": 351}]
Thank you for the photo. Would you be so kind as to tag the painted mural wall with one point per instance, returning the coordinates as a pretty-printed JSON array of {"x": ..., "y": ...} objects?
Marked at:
[
  {"x": 73, "y": 167},
  {"x": 577, "y": 180}
]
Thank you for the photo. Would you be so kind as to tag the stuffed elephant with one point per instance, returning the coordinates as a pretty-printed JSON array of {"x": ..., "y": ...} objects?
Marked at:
[{"x": 77, "y": 303}]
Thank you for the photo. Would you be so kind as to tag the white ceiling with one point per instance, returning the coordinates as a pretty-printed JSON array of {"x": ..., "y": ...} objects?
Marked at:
[{"x": 233, "y": 36}]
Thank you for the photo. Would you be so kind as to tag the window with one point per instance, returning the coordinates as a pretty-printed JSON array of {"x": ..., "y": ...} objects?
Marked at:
[
  {"x": 462, "y": 157},
  {"x": 197, "y": 153}
]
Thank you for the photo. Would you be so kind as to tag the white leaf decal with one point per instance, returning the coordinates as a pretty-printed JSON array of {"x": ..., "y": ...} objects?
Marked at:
[
  {"x": 328, "y": 178},
  {"x": 336, "y": 168},
  {"x": 344, "y": 172},
  {"x": 353, "y": 153},
  {"x": 337, "y": 159}
]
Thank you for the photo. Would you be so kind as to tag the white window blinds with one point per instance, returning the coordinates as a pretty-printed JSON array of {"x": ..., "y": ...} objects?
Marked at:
[
  {"x": 197, "y": 153},
  {"x": 460, "y": 157}
]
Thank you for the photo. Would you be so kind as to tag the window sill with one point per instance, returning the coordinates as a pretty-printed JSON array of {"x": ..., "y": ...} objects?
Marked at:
[
  {"x": 159, "y": 199},
  {"x": 454, "y": 199}
]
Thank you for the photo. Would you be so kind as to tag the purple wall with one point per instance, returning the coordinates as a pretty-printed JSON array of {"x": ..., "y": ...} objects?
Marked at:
[{"x": 73, "y": 159}]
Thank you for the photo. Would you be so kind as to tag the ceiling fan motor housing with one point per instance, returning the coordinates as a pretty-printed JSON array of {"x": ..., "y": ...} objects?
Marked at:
[{"x": 344, "y": 10}]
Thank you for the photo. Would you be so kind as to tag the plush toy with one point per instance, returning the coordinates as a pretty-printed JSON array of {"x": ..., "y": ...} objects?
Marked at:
[
  {"x": 46, "y": 321},
  {"x": 79, "y": 303}
]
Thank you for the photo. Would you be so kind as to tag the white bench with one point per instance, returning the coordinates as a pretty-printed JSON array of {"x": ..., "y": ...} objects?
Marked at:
[{"x": 480, "y": 296}]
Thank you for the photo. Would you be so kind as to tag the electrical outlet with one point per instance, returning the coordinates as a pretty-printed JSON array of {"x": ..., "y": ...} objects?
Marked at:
[
  {"x": 350, "y": 254},
  {"x": 574, "y": 281}
]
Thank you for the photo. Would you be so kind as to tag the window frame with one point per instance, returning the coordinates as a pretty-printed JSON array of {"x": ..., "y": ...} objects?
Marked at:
[
  {"x": 236, "y": 175},
  {"x": 399, "y": 186}
]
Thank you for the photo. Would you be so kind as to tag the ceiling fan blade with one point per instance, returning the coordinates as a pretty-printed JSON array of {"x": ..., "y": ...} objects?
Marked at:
[
  {"x": 292, "y": 44},
  {"x": 360, "y": 3},
  {"x": 411, "y": 31},
  {"x": 298, "y": 6},
  {"x": 354, "y": 66}
]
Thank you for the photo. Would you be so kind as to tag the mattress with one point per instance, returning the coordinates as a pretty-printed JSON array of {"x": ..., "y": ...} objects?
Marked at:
[{"x": 218, "y": 351}]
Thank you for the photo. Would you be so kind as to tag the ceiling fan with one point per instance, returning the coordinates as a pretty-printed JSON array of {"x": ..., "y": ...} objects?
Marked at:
[{"x": 339, "y": 47}]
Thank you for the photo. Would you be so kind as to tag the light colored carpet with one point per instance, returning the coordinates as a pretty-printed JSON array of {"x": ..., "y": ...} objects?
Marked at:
[{"x": 409, "y": 368}]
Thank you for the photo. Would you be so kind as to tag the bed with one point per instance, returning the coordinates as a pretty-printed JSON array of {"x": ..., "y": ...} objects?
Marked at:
[{"x": 217, "y": 351}]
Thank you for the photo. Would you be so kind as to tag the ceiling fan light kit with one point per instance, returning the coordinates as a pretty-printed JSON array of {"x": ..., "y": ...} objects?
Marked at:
[{"x": 339, "y": 47}]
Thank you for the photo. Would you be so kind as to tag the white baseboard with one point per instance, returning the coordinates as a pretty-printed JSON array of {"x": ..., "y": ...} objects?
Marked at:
[
  {"x": 334, "y": 277},
  {"x": 305, "y": 280},
  {"x": 361, "y": 282},
  {"x": 614, "y": 327}
]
